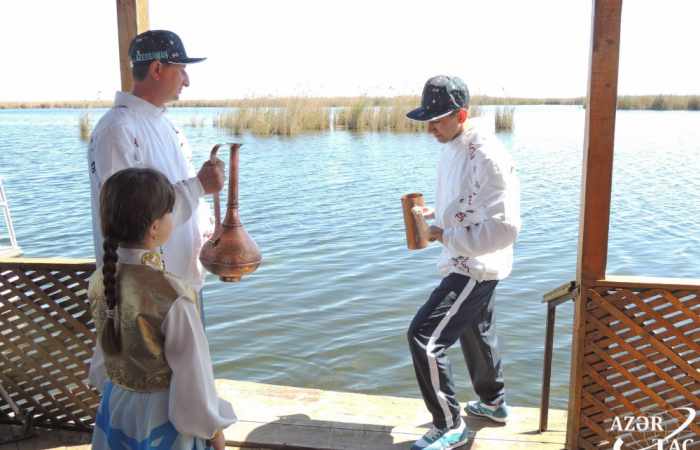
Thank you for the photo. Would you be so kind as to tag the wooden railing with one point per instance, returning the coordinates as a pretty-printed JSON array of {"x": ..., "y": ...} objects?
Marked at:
[
  {"x": 641, "y": 358},
  {"x": 563, "y": 293},
  {"x": 46, "y": 341}
]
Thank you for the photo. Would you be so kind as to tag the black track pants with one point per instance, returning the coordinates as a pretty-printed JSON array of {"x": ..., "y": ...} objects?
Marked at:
[{"x": 459, "y": 308}]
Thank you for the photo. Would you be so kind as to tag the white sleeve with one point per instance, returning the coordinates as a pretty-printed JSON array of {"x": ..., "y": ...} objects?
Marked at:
[
  {"x": 97, "y": 374},
  {"x": 498, "y": 217},
  {"x": 187, "y": 193},
  {"x": 194, "y": 406}
]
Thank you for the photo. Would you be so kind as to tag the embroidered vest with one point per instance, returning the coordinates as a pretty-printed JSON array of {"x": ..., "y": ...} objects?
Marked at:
[{"x": 145, "y": 297}]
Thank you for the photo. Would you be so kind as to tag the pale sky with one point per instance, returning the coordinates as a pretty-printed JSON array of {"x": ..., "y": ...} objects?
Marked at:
[{"x": 67, "y": 50}]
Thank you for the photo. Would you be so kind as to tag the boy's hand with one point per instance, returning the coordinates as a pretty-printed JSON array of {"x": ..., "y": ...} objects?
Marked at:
[
  {"x": 434, "y": 233},
  {"x": 427, "y": 212}
]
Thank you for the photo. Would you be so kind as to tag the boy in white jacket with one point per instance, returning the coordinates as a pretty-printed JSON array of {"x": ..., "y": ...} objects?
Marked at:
[{"x": 477, "y": 220}]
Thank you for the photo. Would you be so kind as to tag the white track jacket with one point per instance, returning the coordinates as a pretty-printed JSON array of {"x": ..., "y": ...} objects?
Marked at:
[{"x": 477, "y": 204}]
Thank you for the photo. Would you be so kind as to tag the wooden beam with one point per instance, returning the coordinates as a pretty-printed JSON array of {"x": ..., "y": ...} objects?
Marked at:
[
  {"x": 596, "y": 185},
  {"x": 599, "y": 140},
  {"x": 132, "y": 19}
]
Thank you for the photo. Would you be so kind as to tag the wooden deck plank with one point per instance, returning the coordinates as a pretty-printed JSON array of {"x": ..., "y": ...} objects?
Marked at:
[
  {"x": 275, "y": 417},
  {"x": 285, "y": 417}
]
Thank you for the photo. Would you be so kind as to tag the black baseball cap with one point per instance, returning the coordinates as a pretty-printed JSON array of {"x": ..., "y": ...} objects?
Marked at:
[
  {"x": 441, "y": 96},
  {"x": 159, "y": 45}
]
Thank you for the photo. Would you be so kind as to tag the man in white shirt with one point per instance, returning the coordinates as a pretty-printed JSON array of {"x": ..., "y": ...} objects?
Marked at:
[
  {"x": 477, "y": 220},
  {"x": 136, "y": 133}
]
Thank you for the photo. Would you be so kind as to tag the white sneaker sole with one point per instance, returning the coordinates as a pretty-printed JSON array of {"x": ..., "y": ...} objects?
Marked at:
[
  {"x": 458, "y": 444},
  {"x": 486, "y": 416}
]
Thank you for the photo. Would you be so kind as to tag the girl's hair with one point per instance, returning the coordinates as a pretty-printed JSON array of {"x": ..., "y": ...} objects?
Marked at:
[{"x": 130, "y": 201}]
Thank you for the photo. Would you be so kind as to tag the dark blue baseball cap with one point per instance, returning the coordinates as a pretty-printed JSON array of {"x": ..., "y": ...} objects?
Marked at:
[
  {"x": 441, "y": 96},
  {"x": 159, "y": 45}
]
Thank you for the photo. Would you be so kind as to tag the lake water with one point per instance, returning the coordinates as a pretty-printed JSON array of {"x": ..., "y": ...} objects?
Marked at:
[{"x": 330, "y": 304}]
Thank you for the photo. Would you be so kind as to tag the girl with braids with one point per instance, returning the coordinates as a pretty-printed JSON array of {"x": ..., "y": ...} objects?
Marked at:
[{"x": 151, "y": 362}]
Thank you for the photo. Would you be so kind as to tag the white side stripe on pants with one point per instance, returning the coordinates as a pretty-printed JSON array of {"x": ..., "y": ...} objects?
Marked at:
[{"x": 432, "y": 356}]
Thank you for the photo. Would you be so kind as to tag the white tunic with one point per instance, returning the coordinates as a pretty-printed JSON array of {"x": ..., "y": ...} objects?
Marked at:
[
  {"x": 136, "y": 133},
  {"x": 477, "y": 203}
]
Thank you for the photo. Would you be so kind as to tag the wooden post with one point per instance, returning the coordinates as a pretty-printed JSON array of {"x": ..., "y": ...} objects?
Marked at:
[
  {"x": 132, "y": 19},
  {"x": 596, "y": 184},
  {"x": 547, "y": 370}
]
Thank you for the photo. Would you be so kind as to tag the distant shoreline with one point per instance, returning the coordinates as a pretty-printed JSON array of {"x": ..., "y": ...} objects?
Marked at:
[{"x": 652, "y": 102}]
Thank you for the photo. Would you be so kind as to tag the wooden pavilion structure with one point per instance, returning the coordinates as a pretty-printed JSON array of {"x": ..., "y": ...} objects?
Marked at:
[{"x": 635, "y": 350}]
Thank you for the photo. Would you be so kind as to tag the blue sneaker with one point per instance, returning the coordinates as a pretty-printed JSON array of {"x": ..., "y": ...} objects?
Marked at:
[
  {"x": 496, "y": 413},
  {"x": 441, "y": 439}
]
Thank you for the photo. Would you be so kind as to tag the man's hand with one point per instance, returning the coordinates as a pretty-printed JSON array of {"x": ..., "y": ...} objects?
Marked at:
[
  {"x": 211, "y": 175},
  {"x": 219, "y": 443}
]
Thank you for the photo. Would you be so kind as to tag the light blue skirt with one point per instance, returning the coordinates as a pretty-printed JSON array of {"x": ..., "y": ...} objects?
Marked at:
[{"x": 138, "y": 421}]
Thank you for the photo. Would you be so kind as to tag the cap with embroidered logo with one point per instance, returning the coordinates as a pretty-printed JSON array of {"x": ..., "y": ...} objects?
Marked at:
[
  {"x": 441, "y": 95},
  {"x": 159, "y": 45}
]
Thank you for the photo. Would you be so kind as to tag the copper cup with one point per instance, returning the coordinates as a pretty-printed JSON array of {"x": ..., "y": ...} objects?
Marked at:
[{"x": 414, "y": 238}]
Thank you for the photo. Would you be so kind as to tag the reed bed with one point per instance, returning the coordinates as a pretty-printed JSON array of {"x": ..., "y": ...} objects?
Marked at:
[
  {"x": 660, "y": 102},
  {"x": 504, "y": 118},
  {"x": 335, "y": 102},
  {"x": 289, "y": 116},
  {"x": 280, "y": 102},
  {"x": 85, "y": 125},
  {"x": 70, "y": 104},
  {"x": 300, "y": 115},
  {"x": 365, "y": 115},
  {"x": 296, "y": 116}
]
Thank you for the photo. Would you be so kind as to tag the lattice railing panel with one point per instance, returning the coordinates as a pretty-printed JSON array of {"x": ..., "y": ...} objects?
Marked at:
[
  {"x": 46, "y": 341},
  {"x": 641, "y": 359}
]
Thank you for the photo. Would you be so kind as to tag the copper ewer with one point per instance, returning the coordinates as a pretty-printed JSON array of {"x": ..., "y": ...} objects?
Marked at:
[
  {"x": 231, "y": 252},
  {"x": 415, "y": 238}
]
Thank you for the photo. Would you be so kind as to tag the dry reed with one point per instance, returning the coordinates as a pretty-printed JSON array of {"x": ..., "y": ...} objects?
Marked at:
[
  {"x": 196, "y": 121},
  {"x": 504, "y": 118},
  {"x": 85, "y": 125},
  {"x": 474, "y": 110}
]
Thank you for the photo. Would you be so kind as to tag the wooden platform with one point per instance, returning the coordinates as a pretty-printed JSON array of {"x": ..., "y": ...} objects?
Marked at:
[{"x": 279, "y": 417}]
